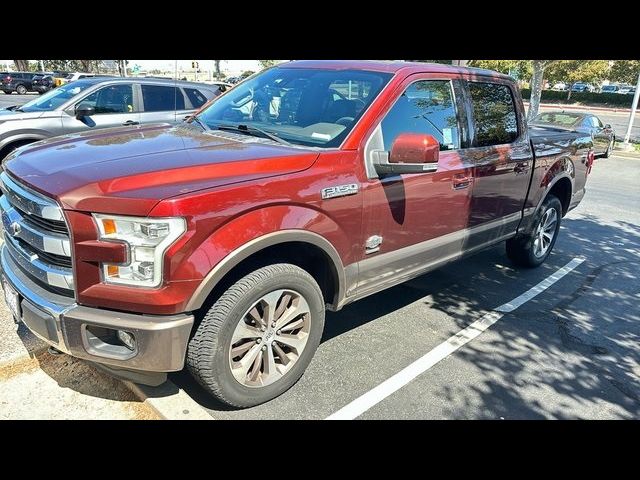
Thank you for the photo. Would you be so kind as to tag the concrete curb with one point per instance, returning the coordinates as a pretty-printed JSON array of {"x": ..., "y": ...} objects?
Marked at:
[
  {"x": 582, "y": 107},
  {"x": 622, "y": 153},
  {"x": 169, "y": 401}
]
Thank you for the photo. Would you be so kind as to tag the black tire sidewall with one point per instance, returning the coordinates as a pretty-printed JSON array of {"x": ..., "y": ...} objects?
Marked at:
[{"x": 233, "y": 391}]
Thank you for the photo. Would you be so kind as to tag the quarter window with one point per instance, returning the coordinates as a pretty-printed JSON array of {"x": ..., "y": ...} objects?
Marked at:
[
  {"x": 158, "y": 98},
  {"x": 426, "y": 107},
  {"x": 112, "y": 99},
  {"x": 496, "y": 121}
]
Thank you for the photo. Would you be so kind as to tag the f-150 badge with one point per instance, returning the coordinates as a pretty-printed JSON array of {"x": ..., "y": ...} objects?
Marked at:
[{"x": 339, "y": 191}]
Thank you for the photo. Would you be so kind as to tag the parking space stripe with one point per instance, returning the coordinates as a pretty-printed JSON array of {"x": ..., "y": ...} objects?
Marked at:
[{"x": 442, "y": 351}]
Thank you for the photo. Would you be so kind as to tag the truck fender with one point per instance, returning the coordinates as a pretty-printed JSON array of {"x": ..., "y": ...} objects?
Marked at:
[{"x": 233, "y": 242}]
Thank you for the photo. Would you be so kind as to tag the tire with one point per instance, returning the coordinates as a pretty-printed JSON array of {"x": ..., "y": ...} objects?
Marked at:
[
  {"x": 209, "y": 353},
  {"x": 610, "y": 148},
  {"x": 524, "y": 250},
  {"x": 21, "y": 90}
]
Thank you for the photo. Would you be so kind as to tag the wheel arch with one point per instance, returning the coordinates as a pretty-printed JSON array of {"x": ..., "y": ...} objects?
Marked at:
[{"x": 294, "y": 245}]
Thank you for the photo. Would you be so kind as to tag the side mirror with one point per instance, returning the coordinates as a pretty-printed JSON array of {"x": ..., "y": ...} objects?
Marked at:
[
  {"x": 410, "y": 153},
  {"x": 84, "y": 110}
]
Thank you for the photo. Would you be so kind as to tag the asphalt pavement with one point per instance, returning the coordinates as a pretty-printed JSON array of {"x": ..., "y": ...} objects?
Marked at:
[
  {"x": 15, "y": 99},
  {"x": 571, "y": 352}
]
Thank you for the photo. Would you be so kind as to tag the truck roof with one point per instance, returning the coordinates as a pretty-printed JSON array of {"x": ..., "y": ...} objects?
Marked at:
[{"x": 390, "y": 66}]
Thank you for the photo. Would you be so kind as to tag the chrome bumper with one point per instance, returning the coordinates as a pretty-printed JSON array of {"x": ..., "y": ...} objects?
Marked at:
[{"x": 161, "y": 341}]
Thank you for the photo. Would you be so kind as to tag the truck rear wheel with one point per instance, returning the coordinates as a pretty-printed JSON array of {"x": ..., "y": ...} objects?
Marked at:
[
  {"x": 258, "y": 338},
  {"x": 532, "y": 250}
]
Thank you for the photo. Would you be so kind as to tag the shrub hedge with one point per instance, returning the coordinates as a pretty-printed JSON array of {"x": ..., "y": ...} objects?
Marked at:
[{"x": 586, "y": 98}]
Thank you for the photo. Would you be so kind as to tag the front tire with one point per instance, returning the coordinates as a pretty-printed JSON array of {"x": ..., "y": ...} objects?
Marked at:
[
  {"x": 532, "y": 249},
  {"x": 258, "y": 338},
  {"x": 21, "y": 90}
]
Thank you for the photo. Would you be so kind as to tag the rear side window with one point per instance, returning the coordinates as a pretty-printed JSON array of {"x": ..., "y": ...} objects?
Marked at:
[
  {"x": 496, "y": 121},
  {"x": 426, "y": 107},
  {"x": 196, "y": 97},
  {"x": 159, "y": 98}
]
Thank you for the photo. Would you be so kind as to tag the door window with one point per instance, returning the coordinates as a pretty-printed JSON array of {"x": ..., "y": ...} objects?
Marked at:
[
  {"x": 160, "y": 98},
  {"x": 425, "y": 107},
  {"x": 112, "y": 99},
  {"x": 496, "y": 121},
  {"x": 196, "y": 97}
]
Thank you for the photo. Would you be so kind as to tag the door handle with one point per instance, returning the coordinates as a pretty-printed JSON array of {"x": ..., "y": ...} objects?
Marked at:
[
  {"x": 187, "y": 117},
  {"x": 521, "y": 168},
  {"x": 461, "y": 180},
  {"x": 130, "y": 122}
]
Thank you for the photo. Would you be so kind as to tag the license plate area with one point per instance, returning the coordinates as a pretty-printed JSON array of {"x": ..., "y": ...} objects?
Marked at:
[{"x": 12, "y": 298}]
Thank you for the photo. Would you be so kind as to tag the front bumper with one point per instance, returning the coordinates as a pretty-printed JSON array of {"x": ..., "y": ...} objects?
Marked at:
[{"x": 161, "y": 340}]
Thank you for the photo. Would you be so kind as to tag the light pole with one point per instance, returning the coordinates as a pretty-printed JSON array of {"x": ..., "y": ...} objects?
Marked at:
[{"x": 626, "y": 145}]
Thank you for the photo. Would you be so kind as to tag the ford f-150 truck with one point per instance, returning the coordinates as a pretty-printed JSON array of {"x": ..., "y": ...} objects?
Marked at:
[{"x": 220, "y": 243}]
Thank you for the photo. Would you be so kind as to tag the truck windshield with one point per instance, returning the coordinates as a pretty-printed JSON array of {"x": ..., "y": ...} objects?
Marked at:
[
  {"x": 56, "y": 97},
  {"x": 312, "y": 107}
]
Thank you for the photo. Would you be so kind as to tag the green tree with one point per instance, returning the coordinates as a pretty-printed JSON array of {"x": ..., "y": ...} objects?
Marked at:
[
  {"x": 267, "y": 63},
  {"x": 572, "y": 71},
  {"x": 625, "y": 71},
  {"x": 518, "y": 68}
]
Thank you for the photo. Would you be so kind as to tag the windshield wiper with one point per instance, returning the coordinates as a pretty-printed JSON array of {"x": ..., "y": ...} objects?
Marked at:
[
  {"x": 200, "y": 122},
  {"x": 255, "y": 131}
]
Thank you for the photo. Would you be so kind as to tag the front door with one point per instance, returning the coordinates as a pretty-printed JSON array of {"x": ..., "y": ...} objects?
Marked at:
[
  {"x": 114, "y": 105},
  {"x": 416, "y": 221}
]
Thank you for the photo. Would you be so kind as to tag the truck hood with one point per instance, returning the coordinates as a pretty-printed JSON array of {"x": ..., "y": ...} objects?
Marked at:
[{"x": 129, "y": 170}]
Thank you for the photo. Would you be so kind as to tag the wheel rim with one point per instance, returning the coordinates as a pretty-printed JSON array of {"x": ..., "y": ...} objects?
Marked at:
[
  {"x": 270, "y": 338},
  {"x": 545, "y": 232},
  {"x": 21, "y": 90}
]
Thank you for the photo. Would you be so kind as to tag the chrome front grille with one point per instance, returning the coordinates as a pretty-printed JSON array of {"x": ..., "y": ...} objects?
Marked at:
[{"x": 36, "y": 236}]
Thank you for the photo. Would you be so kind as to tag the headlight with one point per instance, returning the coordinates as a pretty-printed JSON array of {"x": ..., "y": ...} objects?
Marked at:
[{"x": 147, "y": 239}]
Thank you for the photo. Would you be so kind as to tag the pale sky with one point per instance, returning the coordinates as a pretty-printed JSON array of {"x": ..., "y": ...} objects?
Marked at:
[{"x": 229, "y": 67}]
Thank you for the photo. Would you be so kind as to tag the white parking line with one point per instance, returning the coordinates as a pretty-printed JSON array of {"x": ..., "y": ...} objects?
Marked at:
[{"x": 442, "y": 351}]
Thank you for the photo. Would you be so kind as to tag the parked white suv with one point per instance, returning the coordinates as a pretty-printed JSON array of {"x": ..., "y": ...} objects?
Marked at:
[{"x": 100, "y": 102}]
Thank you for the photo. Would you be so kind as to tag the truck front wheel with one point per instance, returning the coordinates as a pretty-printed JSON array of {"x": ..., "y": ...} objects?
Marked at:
[
  {"x": 532, "y": 249},
  {"x": 258, "y": 338}
]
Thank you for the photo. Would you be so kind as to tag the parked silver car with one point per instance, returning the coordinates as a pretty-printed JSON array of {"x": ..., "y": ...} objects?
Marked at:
[{"x": 100, "y": 102}]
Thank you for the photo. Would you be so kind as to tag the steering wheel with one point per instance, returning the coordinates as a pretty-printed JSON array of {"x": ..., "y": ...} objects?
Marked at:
[
  {"x": 244, "y": 100},
  {"x": 345, "y": 121}
]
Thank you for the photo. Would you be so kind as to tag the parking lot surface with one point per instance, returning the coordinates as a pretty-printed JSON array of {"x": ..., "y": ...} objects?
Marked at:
[{"x": 573, "y": 351}]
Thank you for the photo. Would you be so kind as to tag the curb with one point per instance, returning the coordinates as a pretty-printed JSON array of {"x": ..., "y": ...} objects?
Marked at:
[
  {"x": 622, "y": 153},
  {"x": 582, "y": 107},
  {"x": 169, "y": 401}
]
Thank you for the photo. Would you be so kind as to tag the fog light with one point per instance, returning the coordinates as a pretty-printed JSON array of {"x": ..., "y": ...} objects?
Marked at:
[{"x": 127, "y": 339}]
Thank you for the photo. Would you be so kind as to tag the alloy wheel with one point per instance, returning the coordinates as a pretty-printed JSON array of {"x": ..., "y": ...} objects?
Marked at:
[
  {"x": 545, "y": 232},
  {"x": 269, "y": 338}
]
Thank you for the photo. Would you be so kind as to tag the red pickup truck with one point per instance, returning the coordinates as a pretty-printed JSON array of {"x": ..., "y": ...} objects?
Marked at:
[{"x": 221, "y": 242}]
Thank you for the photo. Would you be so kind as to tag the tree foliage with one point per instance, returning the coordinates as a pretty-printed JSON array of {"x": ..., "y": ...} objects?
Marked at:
[
  {"x": 572, "y": 71},
  {"x": 268, "y": 63},
  {"x": 625, "y": 71},
  {"x": 88, "y": 66},
  {"x": 522, "y": 69}
]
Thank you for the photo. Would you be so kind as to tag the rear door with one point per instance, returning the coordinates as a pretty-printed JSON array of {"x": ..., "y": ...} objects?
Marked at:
[
  {"x": 115, "y": 105},
  {"x": 162, "y": 104},
  {"x": 600, "y": 134},
  {"x": 502, "y": 156}
]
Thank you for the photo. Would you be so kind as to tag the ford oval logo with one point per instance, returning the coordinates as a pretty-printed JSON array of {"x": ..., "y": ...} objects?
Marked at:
[{"x": 15, "y": 228}]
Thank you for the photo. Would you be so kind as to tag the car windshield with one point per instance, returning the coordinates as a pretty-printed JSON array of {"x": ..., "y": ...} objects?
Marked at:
[
  {"x": 312, "y": 107},
  {"x": 54, "y": 98},
  {"x": 557, "y": 118}
]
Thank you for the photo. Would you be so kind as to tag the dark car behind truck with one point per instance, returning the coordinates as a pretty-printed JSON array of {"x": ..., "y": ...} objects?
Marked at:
[{"x": 220, "y": 243}]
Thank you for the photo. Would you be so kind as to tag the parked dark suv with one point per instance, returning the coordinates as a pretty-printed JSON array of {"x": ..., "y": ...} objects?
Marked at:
[{"x": 17, "y": 82}]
